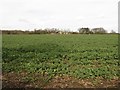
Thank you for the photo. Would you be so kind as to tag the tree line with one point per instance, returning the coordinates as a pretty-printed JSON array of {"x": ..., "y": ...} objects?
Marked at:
[
  {"x": 58, "y": 31},
  {"x": 92, "y": 31}
]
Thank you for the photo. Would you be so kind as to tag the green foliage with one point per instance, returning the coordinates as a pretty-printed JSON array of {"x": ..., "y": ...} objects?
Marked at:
[{"x": 81, "y": 56}]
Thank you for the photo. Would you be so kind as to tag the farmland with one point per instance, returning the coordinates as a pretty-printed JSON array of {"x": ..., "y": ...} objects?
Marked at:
[{"x": 37, "y": 60}]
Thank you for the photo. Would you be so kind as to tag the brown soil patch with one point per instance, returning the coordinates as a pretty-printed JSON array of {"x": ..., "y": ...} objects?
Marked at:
[
  {"x": 71, "y": 82},
  {"x": 15, "y": 80},
  {"x": 23, "y": 80}
]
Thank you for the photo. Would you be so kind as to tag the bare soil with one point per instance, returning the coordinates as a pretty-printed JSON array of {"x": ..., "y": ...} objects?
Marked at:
[{"x": 25, "y": 80}]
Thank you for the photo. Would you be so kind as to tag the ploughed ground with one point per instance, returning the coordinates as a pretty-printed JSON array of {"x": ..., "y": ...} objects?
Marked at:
[{"x": 37, "y": 80}]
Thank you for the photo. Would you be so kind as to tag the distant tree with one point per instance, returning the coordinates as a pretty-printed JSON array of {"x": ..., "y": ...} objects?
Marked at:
[
  {"x": 84, "y": 30},
  {"x": 112, "y": 31},
  {"x": 99, "y": 30}
]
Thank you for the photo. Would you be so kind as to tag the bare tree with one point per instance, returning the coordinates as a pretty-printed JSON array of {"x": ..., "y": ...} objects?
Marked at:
[{"x": 98, "y": 30}]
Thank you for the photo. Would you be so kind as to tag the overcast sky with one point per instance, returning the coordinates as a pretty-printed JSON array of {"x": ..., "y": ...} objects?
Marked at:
[{"x": 63, "y": 14}]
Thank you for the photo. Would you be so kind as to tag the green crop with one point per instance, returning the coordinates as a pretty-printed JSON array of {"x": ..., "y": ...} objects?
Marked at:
[{"x": 81, "y": 56}]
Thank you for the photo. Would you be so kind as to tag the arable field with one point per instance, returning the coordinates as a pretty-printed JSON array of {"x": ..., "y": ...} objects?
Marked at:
[{"x": 60, "y": 61}]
